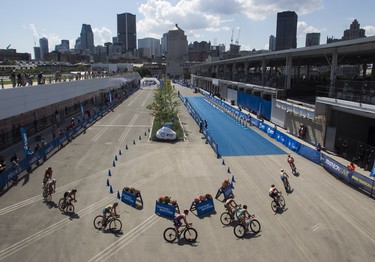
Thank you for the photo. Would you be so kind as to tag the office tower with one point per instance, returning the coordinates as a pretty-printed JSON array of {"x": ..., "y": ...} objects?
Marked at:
[
  {"x": 272, "y": 43},
  {"x": 164, "y": 43},
  {"x": 63, "y": 47},
  {"x": 312, "y": 39},
  {"x": 127, "y": 31},
  {"x": 43, "y": 43},
  {"x": 87, "y": 39},
  {"x": 177, "y": 52},
  {"x": 152, "y": 44},
  {"x": 36, "y": 52},
  {"x": 354, "y": 32},
  {"x": 286, "y": 30}
]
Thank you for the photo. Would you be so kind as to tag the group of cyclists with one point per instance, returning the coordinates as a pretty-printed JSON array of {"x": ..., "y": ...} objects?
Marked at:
[
  {"x": 274, "y": 193},
  {"x": 49, "y": 186}
]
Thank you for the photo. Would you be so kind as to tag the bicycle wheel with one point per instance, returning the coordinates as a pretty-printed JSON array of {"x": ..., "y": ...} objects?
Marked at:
[
  {"x": 255, "y": 226},
  {"x": 190, "y": 234},
  {"x": 274, "y": 206},
  {"x": 170, "y": 234},
  {"x": 282, "y": 201},
  {"x": 98, "y": 222},
  {"x": 48, "y": 197},
  {"x": 239, "y": 230},
  {"x": 70, "y": 208},
  {"x": 225, "y": 219},
  {"x": 115, "y": 225},
  {"x": 61, "y": 204}
]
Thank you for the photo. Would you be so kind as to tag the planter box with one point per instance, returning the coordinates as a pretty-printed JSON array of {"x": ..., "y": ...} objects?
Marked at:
[
  {"x": 130, "y": 198},
  {"x": 205, "y": 207},
  {"x": 166, "y": 210}
]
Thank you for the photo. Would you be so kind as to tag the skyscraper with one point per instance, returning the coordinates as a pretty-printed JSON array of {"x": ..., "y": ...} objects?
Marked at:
[
  {"x": 177, "y": 55},
  {"x": 36, "y": 52},
  {"x": 312, "y": 39},
  {"x": 87, "y": 39},
  {"x": 152, "y": 44},
  {"x": 354, "y": 32},
  {"x": 43, "y": 43},
  {"x": 286, "y": 30},
  {"x": 272, "y": 43},
  {"x": 127, "y": 31}
]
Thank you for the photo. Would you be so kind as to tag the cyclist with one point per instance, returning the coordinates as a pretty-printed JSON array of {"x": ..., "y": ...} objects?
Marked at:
[
  {"x": 69, "y": 196},
  {"x": 111, "y": 211},
  {"x": 50, "y": 186},
  {"x": 47, "y": 175},
  {"x": 229, "y": 204},
  {"x": 284, "y": 177},
  {"x": 242, "y": 214},
  {"x": 291, "y": 163},
  {"x": 274, "y": 193},
  {"x": 177, "y": 220}
]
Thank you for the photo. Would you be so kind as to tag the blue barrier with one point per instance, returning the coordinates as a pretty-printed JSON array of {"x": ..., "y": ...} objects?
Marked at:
[
  {"x": 165, "y": 210},
  {"x": 336, "y": 168},
  {"x": 309, "y": 153},
  {"x": 205, "y": 207}
]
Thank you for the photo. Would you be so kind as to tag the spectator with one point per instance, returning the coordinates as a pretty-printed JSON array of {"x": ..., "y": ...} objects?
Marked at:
[
  {"x": 318, "y": 147},
  {"x": 351, "y": 166},
  {"x": 344, "y": 148},
  {"x": 14, "y": 160},
  {"x": 302, "y": 131},
  {"x": 2, "y": 164},
  {"x": 13, "y": 78}
]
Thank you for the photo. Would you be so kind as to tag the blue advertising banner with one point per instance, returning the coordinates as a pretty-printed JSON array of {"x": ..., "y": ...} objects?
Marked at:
[
  {"x": 227, "y": 192},
  {"x": 165, "y": 210},
  {"x": 270, "y": 131},
  {"x": 336, "y": 168},
  {"x": 25, "y": 141},
  {"x": 365, "y": 183},
  {"x": 128, "y": 198},
  {"x": 205, "y": 207},
  {"x": 293, "y": 144}
]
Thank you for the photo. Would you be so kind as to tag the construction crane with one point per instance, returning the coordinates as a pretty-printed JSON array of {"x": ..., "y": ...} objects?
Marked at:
[
  {"x": 8, "y": 46},
  {"x": 231, "y": 39}
]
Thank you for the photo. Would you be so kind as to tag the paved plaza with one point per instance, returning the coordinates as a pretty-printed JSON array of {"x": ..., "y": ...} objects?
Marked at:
[{"x": 324, "y": 219}]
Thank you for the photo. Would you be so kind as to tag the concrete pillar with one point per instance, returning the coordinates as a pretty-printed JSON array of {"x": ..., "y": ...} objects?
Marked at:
[
  {"x": 246, "y": 71},
  {"x": 332, "y": 77},
  {"x": 233, "y": 71},
  {"x": 263, "y": 71},
  {"x": 288, "y": 71}
]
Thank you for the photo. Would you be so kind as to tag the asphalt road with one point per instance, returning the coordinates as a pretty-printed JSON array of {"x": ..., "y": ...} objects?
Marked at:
[{"x": 324, "y": 219}]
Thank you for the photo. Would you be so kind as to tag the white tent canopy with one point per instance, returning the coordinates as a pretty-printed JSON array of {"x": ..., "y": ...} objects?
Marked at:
[{"x": 146, "y": 79}]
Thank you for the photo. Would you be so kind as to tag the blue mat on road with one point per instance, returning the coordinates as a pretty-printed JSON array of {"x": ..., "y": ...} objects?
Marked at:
[{"x": 232, "y": 138}]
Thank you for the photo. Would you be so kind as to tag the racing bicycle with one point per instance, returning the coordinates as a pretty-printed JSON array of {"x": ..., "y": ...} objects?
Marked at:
[
  {"x": 240, "y": 229},
  {"x": 278, "y": 202},
  {"x": 115, "y": 224},
  {"x": 189, "y": 233},
  {"x": 226, "y": 218},
  {"x": 66, "y": 207}
]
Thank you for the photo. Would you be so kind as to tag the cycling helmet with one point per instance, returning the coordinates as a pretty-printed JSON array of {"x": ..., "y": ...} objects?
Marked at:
[
  {"x": 244, "y": 206},
  {"x": 282, "y": 170},
  {"x": 74, "y": 190},
  {"x": 186, "y": 211},
  {"x": 115, "y": 204},
  {"x": 53, "y": 180},
  {"x": 288, "y": 155},
  {"x": 272, "y": 185}
]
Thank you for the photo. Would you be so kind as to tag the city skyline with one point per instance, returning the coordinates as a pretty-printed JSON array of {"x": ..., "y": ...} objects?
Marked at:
[{"x": 218, "y": 23}]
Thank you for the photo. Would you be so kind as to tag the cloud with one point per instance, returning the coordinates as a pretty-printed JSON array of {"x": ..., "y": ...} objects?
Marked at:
[
  {"x": 159, "y": 16},
  {"x": 369, "y": 30},
  {"x": 303, "y": 28},
  {"x": 102, "y": 35}
]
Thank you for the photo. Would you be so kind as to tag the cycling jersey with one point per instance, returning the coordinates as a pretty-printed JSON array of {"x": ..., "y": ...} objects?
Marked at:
[
  {"x": 177, "y": 220},
  {"x": 107, "y": 209},
  {"x": 241, "y": 212}
]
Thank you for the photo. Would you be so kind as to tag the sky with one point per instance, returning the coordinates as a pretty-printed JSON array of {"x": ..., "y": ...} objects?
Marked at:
[{"x": 246, "y": 22}]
